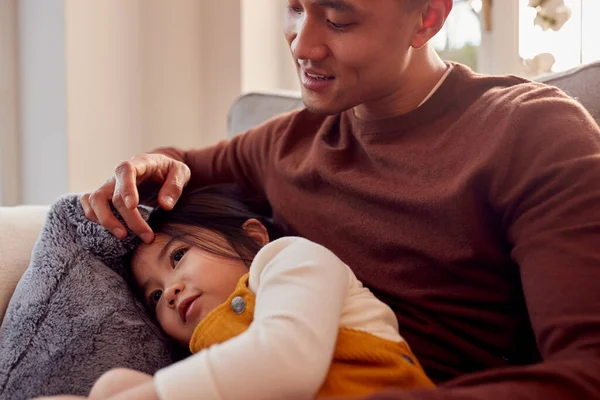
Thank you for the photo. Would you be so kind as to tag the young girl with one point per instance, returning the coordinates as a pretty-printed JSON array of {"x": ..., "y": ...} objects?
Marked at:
[{"x": 265, "y": 317}]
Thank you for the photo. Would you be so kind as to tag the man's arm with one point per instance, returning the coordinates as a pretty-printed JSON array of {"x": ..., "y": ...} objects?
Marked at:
[
  {"x": 242, "y": 160},
  {"x": 548, "y": 196}
]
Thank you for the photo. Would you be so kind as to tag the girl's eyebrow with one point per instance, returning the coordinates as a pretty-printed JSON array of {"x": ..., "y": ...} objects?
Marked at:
[
  {"x": 165, "y": 248},
  {"x": 161, "y": 256}
]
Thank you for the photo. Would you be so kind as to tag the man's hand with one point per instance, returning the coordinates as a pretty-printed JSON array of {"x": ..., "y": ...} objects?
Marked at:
[{"x": 122, "y": 190}]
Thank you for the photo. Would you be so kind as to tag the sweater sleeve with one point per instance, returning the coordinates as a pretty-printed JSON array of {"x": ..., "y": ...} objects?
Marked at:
[
  {"x": 286, "y": 352},
  {"x": 549, "y": 200},
  {"x": 243, "y": 160}
]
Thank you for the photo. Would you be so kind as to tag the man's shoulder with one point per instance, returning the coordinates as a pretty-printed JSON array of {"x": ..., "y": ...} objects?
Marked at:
[
  {"x": 505, "y": 92},
  {"x": 512, "y": 107},
  {"x": 520, "y": 121},
  {"x": 501, "y": 118},
  {"x": 527, "y": 102}
]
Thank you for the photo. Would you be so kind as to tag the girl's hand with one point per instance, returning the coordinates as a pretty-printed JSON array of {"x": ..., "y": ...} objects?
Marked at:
[
  {"x": 122, "y": 383},
  {"x": 145, "y": 391}
]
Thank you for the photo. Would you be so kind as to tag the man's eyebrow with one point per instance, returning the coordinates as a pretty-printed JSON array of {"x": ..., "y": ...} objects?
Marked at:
[{"x": 338, "y": 5}]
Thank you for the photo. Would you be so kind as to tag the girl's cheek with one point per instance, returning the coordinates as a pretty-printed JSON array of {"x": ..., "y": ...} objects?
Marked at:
[
  {"x": 165, "y": 318},
  {"x": 160, "y": 316}
]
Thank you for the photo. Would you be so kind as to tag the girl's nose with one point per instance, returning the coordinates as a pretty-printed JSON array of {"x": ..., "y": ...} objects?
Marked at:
[{"x": 172, "y": 292}]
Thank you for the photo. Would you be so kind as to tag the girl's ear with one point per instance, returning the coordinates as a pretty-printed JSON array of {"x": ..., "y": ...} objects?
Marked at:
[{"x": 257, "y": 231}]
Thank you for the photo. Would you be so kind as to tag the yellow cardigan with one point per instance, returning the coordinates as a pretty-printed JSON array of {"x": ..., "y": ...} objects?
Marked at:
[{"x": 362, "y": 362}]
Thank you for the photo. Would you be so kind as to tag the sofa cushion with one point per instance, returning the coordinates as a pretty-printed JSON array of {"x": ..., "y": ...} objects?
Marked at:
[
  {"x": 252, "y": 109},
  {"x": 20, "y": 228},
  {"x": 73, "y": 316}
]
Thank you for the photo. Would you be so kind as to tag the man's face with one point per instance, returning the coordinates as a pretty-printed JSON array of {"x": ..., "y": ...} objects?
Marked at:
[{"x": 349, "y": 52}]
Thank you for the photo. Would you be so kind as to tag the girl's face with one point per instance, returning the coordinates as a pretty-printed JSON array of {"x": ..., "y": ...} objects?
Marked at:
[{"x": 184, "y": 283}]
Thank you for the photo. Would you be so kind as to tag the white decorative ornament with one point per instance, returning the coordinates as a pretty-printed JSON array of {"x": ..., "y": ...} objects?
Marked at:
[
  {"x": 546, "y": 3},
  {"x": 539, "y": 65},
  {"x": 551, "y": 14}
]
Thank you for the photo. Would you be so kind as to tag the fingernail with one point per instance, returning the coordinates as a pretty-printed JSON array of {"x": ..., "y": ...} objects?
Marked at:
[
  {"x": 118, "y": 232},
  {"x": 146, "y": 237},
  {"x": 170, "y": 201},
  {"x": 129, "y": 201}
]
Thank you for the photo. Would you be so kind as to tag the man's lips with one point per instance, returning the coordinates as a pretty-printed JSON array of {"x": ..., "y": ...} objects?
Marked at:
[
  {"x": 315, "y": 74},
  {"x": 315, "y": 81},
  {"x": 184, "y": 306}
]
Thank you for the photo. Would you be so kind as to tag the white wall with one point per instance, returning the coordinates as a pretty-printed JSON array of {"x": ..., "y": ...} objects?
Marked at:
[
  {"x": 221, "y": 65},
  {"x": 44, "y": 153},
  {"x": 172, "y": 98},
  {"x": 104, "y": 88},
  {"x": 266, "y": 60},
  {"x": 9, "y": 113},
  {"x": 161, "y": 74},
  {"x": 105, "y": 80}
]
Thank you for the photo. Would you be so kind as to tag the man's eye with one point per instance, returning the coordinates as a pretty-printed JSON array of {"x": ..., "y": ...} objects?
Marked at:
[
  {"x": 338, "y": 27},
  {"x": 155, "y": 297},
  {"x": 297, "y": 10},
  {"x": 177, "y": 256}
]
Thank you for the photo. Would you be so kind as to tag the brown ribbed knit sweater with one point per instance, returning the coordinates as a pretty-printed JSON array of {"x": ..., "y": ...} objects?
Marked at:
[{"x": 476, "y": 217}]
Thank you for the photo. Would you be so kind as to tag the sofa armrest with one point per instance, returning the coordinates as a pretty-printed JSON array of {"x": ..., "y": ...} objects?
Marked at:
[{"x": 19, "y": 228}]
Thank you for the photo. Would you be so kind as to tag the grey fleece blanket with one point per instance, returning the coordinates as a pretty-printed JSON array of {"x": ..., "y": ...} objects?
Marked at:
[{"x": 73, "y": 316}]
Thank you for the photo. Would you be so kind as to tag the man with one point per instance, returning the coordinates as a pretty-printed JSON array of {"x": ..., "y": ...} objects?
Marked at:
[{"x": 470, "y": 204}]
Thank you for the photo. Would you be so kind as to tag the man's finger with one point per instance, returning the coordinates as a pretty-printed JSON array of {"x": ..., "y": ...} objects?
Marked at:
[
  {"x": 87, "y": 208},
  {"x": 134, "y": 220},
  {"x": 177, "y": 178},
  {"x": 127, "y": 177},
  {"x": 100, "y": 204}
]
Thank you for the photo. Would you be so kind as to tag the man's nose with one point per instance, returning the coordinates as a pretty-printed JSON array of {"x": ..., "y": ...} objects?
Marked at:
[
  {"x": 172, "y": 292},
  {"x": 307, "y": 42}
]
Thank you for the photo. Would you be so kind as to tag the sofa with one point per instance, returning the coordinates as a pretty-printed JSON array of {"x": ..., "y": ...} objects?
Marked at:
[{"x": 20, "y": 225}]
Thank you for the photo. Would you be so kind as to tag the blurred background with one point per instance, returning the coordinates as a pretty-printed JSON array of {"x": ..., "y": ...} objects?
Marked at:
[{"x": 85, "y": 84}]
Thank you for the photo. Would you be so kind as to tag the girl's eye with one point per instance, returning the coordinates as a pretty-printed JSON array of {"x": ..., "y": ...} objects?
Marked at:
[
  {"x": 296, "y": 10},
  {"x": 155, "y": 297},
  {"x": 177, "y": 256}
]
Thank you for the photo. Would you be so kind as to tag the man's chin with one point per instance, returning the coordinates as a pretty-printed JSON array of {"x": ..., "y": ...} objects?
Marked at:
[{"x": 322, "y": 107}]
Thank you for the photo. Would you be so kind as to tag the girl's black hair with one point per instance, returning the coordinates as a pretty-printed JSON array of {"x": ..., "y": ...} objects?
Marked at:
[{"x": 220, "y": 209}]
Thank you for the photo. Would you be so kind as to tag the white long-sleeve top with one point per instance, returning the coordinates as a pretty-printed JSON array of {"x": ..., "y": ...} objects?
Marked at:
[{"x": 304, "y": 295}]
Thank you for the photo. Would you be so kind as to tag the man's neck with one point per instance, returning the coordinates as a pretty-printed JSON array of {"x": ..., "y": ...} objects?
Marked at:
[{"x": 424, "y": 71}]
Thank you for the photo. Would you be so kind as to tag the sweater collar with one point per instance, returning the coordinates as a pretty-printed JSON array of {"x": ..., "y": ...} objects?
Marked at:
[{"x": 439, "y": 101}]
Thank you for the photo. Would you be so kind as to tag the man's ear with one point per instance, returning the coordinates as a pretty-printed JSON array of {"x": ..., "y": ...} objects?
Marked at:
[
  {"x": 257, "y": 231},
  {"x": 433, "y": 16}
]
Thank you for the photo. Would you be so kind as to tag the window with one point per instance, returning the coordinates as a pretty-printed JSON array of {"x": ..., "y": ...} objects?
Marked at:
[
  {"x": 460, "y": 37},
  {"x": 574, "y": 44}
]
